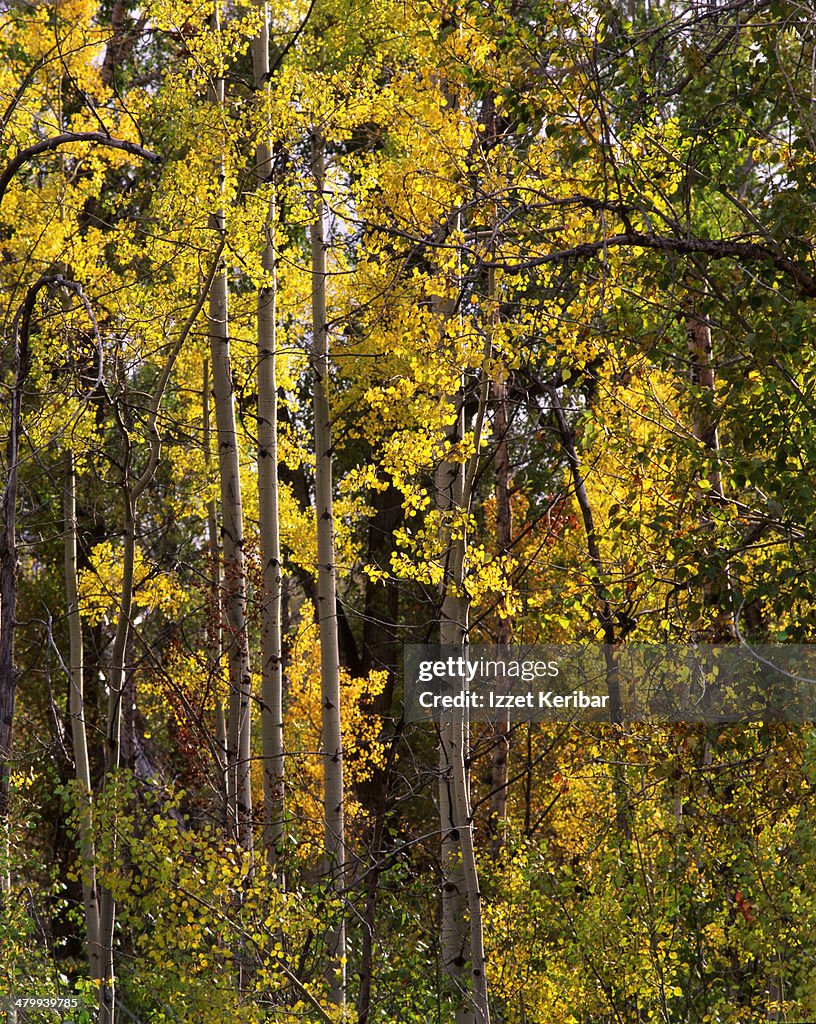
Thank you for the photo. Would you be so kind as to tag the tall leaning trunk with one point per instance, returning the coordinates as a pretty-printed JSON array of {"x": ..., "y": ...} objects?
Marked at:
[
  {"x": 331, "y": 740},
  {"x": 271, "y": 643},
  {"x": 76, "y": 705},
  {"x": 239, "y": 726}
]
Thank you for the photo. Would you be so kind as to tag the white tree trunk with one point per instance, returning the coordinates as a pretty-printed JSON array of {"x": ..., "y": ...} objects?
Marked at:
[
  {"x": 271, "y": 646},
  {"x": 462, "y": 937},
  {"x": 239, "y": 728},
  {"x": 455, "y": 940},
  {"x": 332, "y": 742},
  {"x": 222, "y": 766}
]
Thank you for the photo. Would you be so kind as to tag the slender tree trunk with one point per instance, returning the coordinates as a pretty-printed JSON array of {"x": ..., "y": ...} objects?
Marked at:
[
  {"x": 461, "y": 927},
  {"x": 90, "y": 894},
  {"x": 8, "y": 606},
  {"x": 271, "y": 643},
  {"x": 8, "y": 675},
  {"x": 232, "y": 534},
  {"x": 455, "y": 938},
  {"x": 222, "y": 766},
  {"x": 458, "y": 756},
  {"x": 716, "y": 592},
  {"x": 332, "y": 740},
  {"x": 462, "y": 937}
]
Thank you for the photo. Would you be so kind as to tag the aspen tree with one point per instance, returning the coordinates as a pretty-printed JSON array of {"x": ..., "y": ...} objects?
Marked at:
[
  {"x": 461, "y": 938},
  {"x": 239, "y": 792},
  {"x": 452, "y": 631},
  {"x": 461, "y": 932},
  {"x": 331, "y": 739},
  {"x": 271, "y": 644},
  {"x": 461, "y": 927},
  {"x": 214, "y": 617}
]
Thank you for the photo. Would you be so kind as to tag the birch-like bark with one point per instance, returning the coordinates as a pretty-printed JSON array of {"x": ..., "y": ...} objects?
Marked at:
[
  {"x": 271, "y": 641},
  {"x": 239, "y": 794},
  {"x": 462, "y": 938},
  {"x": 331, "y": 740},
  {"x": 222, "y": 766},
  {"x": 454, "y": 932},
  {"x": 232, "y": 532},
  {"x": 76, "y": 707}
]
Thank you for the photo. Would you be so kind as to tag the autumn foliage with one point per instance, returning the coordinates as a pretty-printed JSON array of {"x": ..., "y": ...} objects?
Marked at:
[{"x": 518, "y": 298}]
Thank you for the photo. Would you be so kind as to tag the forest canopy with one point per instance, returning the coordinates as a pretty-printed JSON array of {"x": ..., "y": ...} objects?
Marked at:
[{"x": 333, "y": 328}]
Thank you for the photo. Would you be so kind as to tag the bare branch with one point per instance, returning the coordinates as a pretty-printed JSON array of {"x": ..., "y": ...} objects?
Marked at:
[{"x": 100, "y": 138}]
